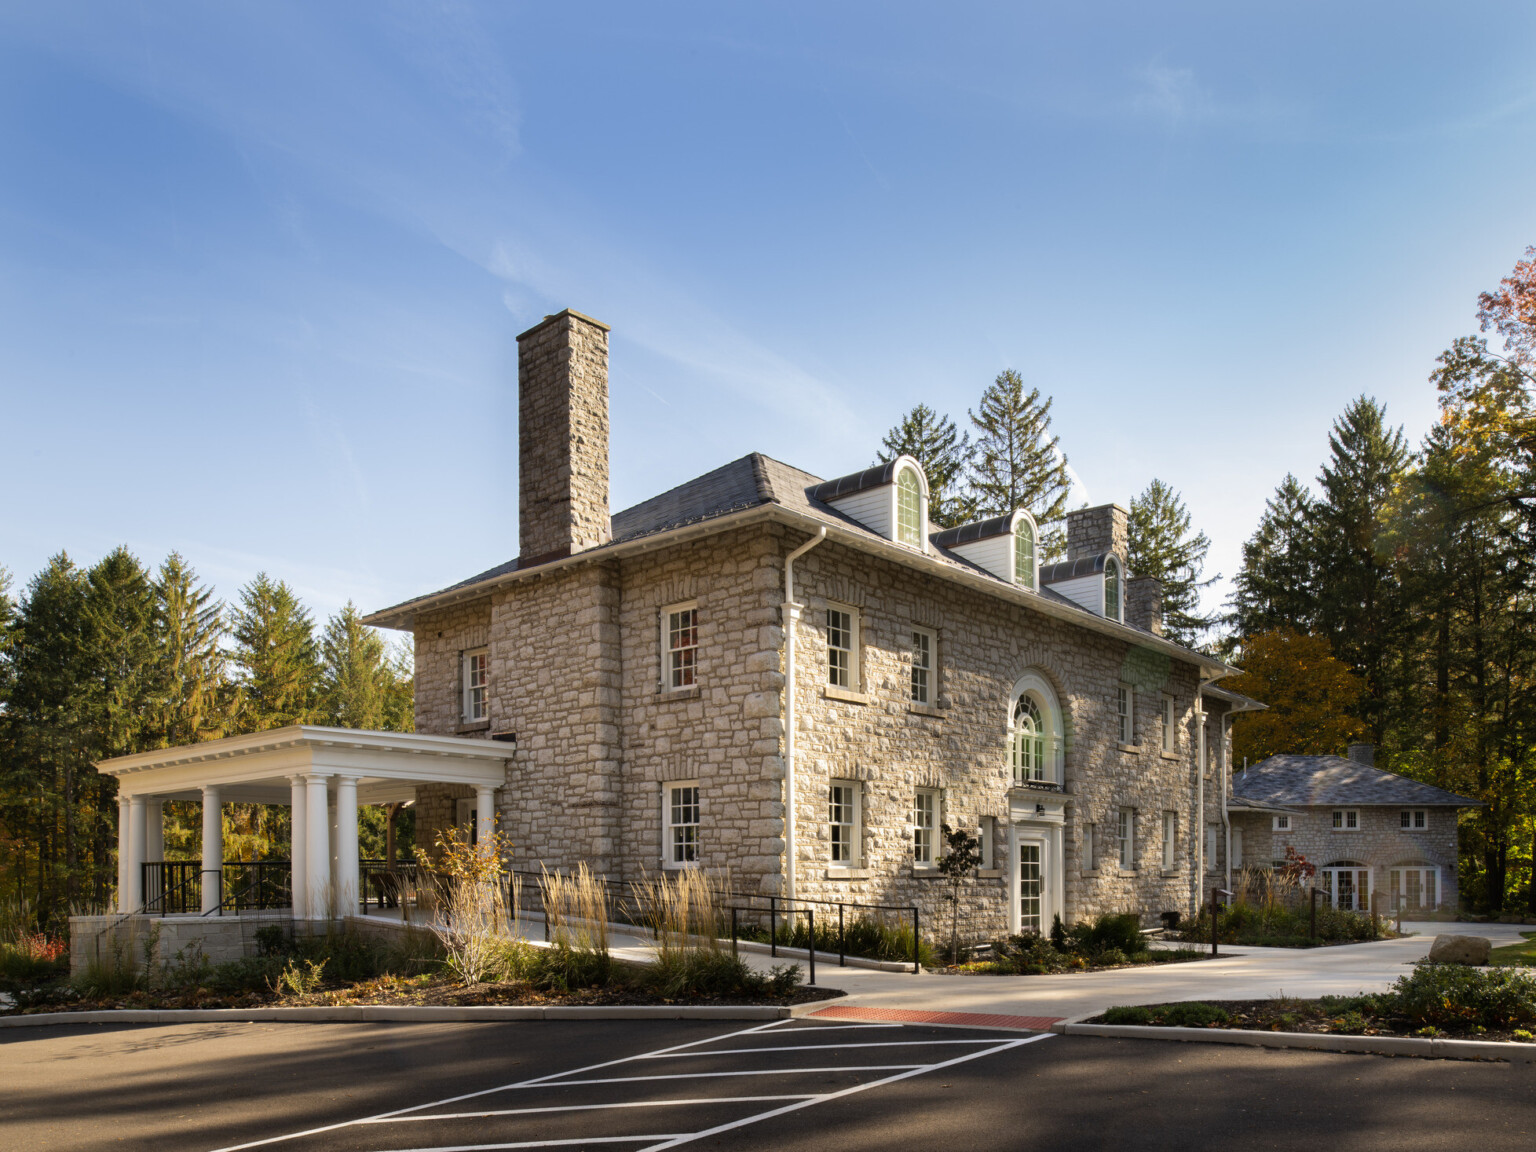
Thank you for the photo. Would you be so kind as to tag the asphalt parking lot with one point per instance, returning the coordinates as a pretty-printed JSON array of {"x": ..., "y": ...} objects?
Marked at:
[{"x": 650, "y": 1085}]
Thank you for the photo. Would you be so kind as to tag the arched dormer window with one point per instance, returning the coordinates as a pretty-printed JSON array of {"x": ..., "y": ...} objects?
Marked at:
[
  {"x": 1112, "y": 594},
  {"x": 1034, "y": 727},
  {"x": 1024, "y": 552},
  {"x": 909, "y": 508}
]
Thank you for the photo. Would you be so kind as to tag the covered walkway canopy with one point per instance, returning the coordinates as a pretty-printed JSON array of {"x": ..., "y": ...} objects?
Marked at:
[{"x": 322, "y": 773}]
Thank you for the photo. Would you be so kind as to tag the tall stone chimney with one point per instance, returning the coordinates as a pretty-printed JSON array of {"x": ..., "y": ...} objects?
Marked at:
[
  {"x": 1094, "y": 531},
  {"x": 562, "y": 438},
  {"x": 1144, "y": 604}
]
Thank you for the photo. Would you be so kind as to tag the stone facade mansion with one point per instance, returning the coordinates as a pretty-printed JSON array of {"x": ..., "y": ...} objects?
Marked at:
[{"x": 790, "y": 681}]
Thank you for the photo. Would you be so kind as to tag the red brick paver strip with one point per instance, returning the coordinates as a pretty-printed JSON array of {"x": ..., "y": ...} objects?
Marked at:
[{"x": 918, "y": 1016}]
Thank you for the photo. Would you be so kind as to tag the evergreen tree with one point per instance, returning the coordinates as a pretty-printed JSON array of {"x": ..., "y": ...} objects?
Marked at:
[
  {"x": 277, "y": 656},
  {"x": 193, "y": 694},
  {"x": 119, "y": 616},
  {"x": 1359, "y": 602},
  {"x": 944, "y": 452},
  {"x": 1160, "y": 544},
  {"x": 358, "y": 687},
  {"x": 1273, "y": 588},
  {"x": 1017, "y": 463}
]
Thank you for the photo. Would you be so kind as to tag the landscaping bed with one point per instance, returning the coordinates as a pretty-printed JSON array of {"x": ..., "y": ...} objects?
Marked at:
[
  {"x": 1445, "y": 1001},
  {"x": 1111, "y": 941}
]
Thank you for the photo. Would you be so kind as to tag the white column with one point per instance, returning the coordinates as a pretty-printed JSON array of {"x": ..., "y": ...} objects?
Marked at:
[
  {"x": 317, "y": 859},
  {"x": 298, "y": 846},
  {"x": 154, "y": 828},
  {"x": 135, "y": 853},
  {"x": 346, "y": 846},
  {"x": 485, "y": 812},
  {"x": 213, "y": 848},
  {"x": 124, "y": 854}
]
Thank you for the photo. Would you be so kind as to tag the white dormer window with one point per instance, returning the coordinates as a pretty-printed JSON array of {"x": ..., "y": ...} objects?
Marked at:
[
  {"x": 1024, "y": 552},
  {"x": 1112, "y": 597},
  {"x": 909, "y": 508}
]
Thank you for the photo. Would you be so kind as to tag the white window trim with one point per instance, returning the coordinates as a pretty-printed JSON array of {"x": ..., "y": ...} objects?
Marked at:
[
  {"x": 1212, "y": 847},
  {"x": 903, "y": 463},
  {"x": 1169, "y": 736},
  {"x": 1170, "y": 841},
  {"x": 467, "y": 714},
  {"x": 932, "y": 669},
  {"x": 1125, "y": 845},
  {"x": 1089, "y": 861},
  {"x": 1281, "y": 824},
  {"x": 1104, "y": 590},
  {"x": 1030, "y": 579},
  {"x": 664, "y": 626},
  {"x": 1125, "y": 722},
  {"x": 1396, "y": 887},
  {"x": 856, "y": 836},
  {"x": 935, "y": 848},
  {"x": 855, "y": 656},
  {"x": 1412, "y": 825},
  {"x": 1340, "y": 820},
  {"x": 668, "y": 860},
  {"x": 986, "y": 838}
]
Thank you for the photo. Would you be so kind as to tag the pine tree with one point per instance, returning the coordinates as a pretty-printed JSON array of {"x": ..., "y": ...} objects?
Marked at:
[
  {"x": 1273, "y": 588},
  {"x": 1359, "y": 602},
  {"x": 1161, "y": 545},
  {"x": 277, "y": 656},
  {"x": 1017, "y": 463},
  {"x": 356, "y": 675},
  {"x": 944, "y": 452},
  {"x": 119, "y": 615},
  {"x": 193, "y": 694}
]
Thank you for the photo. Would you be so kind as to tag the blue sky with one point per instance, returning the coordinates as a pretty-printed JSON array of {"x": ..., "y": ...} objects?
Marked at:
[{"x": 262, "y": 265}]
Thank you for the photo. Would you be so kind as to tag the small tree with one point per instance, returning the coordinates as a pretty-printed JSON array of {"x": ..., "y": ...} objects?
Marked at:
[{"x": 962, "y": 856}]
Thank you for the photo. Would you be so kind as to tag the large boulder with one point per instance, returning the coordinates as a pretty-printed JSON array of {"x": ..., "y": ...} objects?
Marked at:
[{"x": 1451, "y": 949}]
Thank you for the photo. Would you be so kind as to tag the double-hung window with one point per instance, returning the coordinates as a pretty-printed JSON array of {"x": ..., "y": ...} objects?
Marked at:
[
  {"x": 1346, "y": 820},
  {"x": 476, "y": 678},
  {"x": 679, "y": 647},
  {"x": 1125, "y": 835},
  {"x": 925, "y": 827},
  {"x": 986, "y": 836},
  {"x": 924, "y": 652},
  {"x": 1170, "y": 731},
  {"x": 843, "y": 648},
  {"x": 680, "y": 812},
  {"x": 1282, "y": 824},
  {"x": 1090, "y": 859},
  {"x": 1413, "y": 819},
  {"x": 1125, "y": 713},
  {"x": 843, "y": 802},
  {"x": 1170, "y": 840}
]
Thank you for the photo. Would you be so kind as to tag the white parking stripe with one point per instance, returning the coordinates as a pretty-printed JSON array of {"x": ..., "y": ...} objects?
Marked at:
[
  {"x": 539, "y": 1143},
  {"x": 807, "y": 1048},
  {"x": 717, "y": 1075},
  {"x": 486, "y": 1091},
  {"x": 584, "y": 1108},
  {"x": 675, "y": 1141}
]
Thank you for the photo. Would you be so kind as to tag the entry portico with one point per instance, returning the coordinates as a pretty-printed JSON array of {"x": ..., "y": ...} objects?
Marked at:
[{"x": 323, "y": 774}]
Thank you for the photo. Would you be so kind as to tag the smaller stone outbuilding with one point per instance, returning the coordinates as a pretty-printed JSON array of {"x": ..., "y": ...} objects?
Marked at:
[{"x": 1379, "y": 840}]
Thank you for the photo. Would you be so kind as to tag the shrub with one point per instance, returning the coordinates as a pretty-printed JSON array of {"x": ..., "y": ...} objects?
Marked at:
[
  {"x": 705, "y": 973},
  {"x": 1128, "y": 1015},
  {"x": 1194, "y": 1014},
  {"x": 1459, "y": 998},
  {"x": 1351, "y": 1024},
  {"x": 32, "y": 959},
  {"x": 300, "y": 979}
]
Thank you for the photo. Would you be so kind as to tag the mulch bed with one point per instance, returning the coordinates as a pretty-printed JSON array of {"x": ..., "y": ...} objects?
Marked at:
[
  {"x": 1309, "y": 1016},
  {"x": 408, "y": 990}
]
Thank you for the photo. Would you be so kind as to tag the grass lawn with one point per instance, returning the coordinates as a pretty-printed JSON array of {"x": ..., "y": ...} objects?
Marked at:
[{"x": 1523, "y": 953}]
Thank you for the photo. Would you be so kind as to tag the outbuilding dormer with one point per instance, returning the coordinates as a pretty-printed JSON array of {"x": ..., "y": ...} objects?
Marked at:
[
  {"x": 1097, "y": 583},
  {"x": 891, "y": 499},
  {"x": 1006, "y": 546}
]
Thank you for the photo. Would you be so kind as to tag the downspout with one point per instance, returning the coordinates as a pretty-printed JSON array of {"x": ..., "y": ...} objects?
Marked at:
[{"x": 791, "y": 620}]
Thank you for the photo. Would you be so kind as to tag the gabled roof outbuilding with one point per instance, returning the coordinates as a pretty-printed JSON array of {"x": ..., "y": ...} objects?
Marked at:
[{"x": 1335, "y": 781}]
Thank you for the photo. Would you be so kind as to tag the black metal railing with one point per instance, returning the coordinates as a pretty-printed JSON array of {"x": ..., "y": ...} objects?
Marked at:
[
  {"x": 175, "y": 887},
  {"x": 752, "y": 916},
  {"x": 388, "y": 886}
]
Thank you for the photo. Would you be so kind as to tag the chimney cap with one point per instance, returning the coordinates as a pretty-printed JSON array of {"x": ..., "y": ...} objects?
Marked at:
[{"x": 561, "y": 315}]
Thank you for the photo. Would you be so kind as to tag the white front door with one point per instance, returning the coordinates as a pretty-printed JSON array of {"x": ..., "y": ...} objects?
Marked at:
[{"x": 1033, "y": 887}]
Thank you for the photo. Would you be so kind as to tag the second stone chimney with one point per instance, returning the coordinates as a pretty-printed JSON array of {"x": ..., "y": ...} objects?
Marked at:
[
  {"x": 1363, "y": 754},
  {"x": 562, "y": 438},
  {"x": 1094, "y": 531},
  {"x": 1144, "y": 604}
]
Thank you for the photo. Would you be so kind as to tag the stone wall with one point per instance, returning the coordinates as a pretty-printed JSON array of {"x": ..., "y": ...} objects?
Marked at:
[
  {"x": 442, "y": 637},
  {"x": 220, "y": 938},
  {"x": 1094, "y": 531}
]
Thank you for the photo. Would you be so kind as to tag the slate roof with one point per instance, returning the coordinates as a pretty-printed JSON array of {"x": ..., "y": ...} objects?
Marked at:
[
  {"x": 980, "y": 530},
  {"x": 1333, "y": 780},
  {"x": 1071, "y": 569},
  {"x": 751, "y": 481}
]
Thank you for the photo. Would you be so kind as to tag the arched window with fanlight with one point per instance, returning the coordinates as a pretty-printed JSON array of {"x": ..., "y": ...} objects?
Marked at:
[
  {"x": 909, "y": 508},
  {"x": 1034, "y": 724},
  {"x": 1024, "y": 552},
  {"x": 1112, "y": 591}
]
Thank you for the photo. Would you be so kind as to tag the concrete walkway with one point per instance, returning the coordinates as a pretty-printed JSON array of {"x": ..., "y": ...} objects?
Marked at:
[{"x": 1241, "y": 974}]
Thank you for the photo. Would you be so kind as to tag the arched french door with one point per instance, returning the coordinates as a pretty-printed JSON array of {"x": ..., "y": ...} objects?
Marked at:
[{"x": 1036, "y": 808}]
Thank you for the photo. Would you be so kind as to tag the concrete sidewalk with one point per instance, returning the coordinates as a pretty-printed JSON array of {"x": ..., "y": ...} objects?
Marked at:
[{"x": 1242, "y": 974}]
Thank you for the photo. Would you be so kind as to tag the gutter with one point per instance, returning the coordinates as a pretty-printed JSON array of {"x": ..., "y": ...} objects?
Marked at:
[
  {"x": 401, "y": 616},
  {"x": 792, "y": 611}
]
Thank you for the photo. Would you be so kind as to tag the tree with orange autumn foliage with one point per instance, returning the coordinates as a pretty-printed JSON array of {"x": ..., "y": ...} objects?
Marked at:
[{"x": 1313, "y": 697}]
